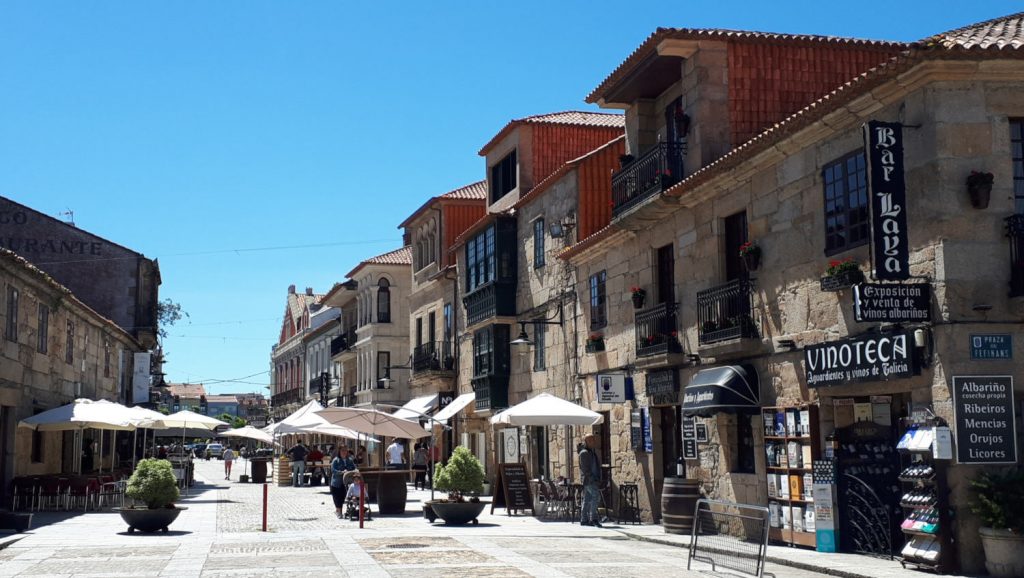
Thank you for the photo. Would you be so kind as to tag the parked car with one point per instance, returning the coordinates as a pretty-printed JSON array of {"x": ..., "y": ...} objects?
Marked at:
[
  {"x": 215, "y": 450},
  {"x": 199, "y": 450}
]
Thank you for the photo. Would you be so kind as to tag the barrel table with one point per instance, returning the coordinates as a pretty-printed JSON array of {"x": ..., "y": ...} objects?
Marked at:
[
  {"x": 678, "y": 500},
  {"x": 259, "y": 469},
  {"x": 392, "y": 488}
]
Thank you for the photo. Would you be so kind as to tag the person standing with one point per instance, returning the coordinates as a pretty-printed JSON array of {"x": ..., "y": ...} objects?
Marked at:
[
  {"x": 419, "y": 464},
  {"x": 396, "y": 455},
  {"x": 297, "y": 454},
  {"x": 229, "y": 457},
  {"x": 341, "y": 462},
  {"x": 360, "y": 458},
  {"x": 590, "y": 470}
]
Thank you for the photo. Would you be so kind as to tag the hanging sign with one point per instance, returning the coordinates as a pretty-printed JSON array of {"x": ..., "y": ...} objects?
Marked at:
[
  {"x": 888, "y": 192},
  {"x": 444, "y": 398},
  {"x": 878, "y": 303},
  {"x": 663, "y": 387},
  {"x": 648, "y": 436},
  {"x": 611, "y": 388},
  {"x": 992, "y": 346},
  {"x": 690, "y": 449},
  {"x": 862, "y": 358},
  {"x": 689, "y": 428},
  {"x": 985, "y": 426},
  {"x": 702, "y": 433},
  {"x": 636, "y": 429}
]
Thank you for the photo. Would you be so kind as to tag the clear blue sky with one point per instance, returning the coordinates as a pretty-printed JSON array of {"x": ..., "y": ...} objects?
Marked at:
[{"x": 188, "y": 129}]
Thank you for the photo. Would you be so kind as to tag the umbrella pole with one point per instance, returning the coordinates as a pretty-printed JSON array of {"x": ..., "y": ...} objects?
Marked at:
[
  {"x": 135, "y": 439},
  {"x": 100, "y": 469}
]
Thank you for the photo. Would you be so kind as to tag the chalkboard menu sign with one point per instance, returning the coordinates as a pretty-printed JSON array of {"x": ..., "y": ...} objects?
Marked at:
[
  {"x": 985, "y": 427},
  {"x": 689, "y": 428},
  {"x": 689, "y": 449},
  {"x": 636, "y": 429},
  {"x": 513, "y": 489},
  {"x": 663, "y": 387}
]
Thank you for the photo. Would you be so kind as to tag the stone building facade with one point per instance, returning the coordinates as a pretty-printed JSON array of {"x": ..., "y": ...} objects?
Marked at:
[
  {"x": 54, "y": 349},
  {"x": 289, "y": 385}
]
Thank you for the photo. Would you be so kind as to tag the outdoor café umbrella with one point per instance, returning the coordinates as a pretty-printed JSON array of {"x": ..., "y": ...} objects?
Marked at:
[
  {"x": 80, "y": 415},
  {"x": 185, "y": 419},
  {"x": 252, "y": 433},
  {"x": 140, "y": 417},
  {"x": 545, "y": 409},
  {"x": 373, "y": 422},
  {"x": 306, "y": 420}
]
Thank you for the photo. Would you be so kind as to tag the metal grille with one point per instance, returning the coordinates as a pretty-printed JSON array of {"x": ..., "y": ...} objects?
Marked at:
[
  {"x": 656, "y": 170},
  {"x": 728, "y": 535},
  {"x": 724, "y": 312},
  {"x": 656, "y": 331},
  {"x": 1015, "y": 231}
]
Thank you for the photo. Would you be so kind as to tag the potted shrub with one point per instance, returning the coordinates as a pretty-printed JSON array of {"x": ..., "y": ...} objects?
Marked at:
[
  {"x": 463, "y": 475},
  {"x": 639, "y": 295},
  {"x": 750, "y": 252},
  {"x": 999, "y": 502},
  {"x": 595, "y": 343},
  {"x": 152, "y": 483},
  {"x": 979, "y": 187},
  {"x": 840, "y": 274}
]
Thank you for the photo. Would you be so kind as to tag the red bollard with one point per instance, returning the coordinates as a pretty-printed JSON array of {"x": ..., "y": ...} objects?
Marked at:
[
  {"x": 264, "y": 507},
  {"x": 362, "y": 493}
]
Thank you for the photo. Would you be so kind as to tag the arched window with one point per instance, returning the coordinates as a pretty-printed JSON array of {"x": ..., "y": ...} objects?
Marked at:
[{"x": 383, "y": 301}]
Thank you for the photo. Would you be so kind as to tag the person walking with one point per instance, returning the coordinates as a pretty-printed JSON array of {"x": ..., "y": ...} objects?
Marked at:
[
  {"x": 419, "y": 464},
  {"x": 229, "y": 457},
  {"x": 396, "y": 455},
  {"x": 590, "y": 470},
  {"x": 341, "y": 462},
  {"x": 297, "y": 454}
]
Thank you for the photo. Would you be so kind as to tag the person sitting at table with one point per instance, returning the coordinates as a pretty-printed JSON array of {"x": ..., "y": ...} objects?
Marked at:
[
  {"x": 360, "y": 457},
  {"x": 316, "y": 456},
  {"x": 341, "y": 462}
]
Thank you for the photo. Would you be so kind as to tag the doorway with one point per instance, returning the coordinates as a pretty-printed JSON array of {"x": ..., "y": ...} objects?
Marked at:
[
  {"x": 735, "y": 237},
  {"x": 665, "y": 271},
  {"x": 670, "y": 423}
]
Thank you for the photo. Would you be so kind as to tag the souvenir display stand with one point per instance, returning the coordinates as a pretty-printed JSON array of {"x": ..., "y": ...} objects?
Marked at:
[{"x": 792, "y": 443}]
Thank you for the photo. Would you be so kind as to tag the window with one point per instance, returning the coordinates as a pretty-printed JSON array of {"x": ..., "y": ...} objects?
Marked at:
[
  {"x": 1017, "y": 155},
  {"x": 447, "y": 322},
  {"x": 538, "y": 243},
  {"x": 539, "y": 345},
  {"x": 383, "y": 367},
  {"x": 419, "y": 331},
  {"x": 43, "y": 334},
  {"x": 598, "y": 314},
  {"x": 744, "y": 463},
  {"x": 106, "y": 357},
  {"x": 11, "y": 332},
  {"x": 69, "y": 343},
  {"x": 482, "y": 347},
  {"x": 846, "y": 203},
  {"x": 480, "y": 267},
  {"x": 432, "y": 326},
  {"x": 383, "y": 301},
  {"x": 503, "y": 176}
]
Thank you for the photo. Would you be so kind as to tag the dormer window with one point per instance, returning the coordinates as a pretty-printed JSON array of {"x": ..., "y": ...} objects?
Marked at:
[{"x": 503, "y": 176}]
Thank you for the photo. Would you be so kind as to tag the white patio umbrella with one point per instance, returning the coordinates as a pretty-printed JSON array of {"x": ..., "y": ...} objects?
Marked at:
[
  {"x": 250, "y": 433},
  {"x": 306, "y": 420},
  {"x": 80, "y": 415},
  {"x": 185, "y": 419},
  {"x": 373, "y": 422},
  {"x": 142, "y": 416},
  {"x": 546, "y": 409}
]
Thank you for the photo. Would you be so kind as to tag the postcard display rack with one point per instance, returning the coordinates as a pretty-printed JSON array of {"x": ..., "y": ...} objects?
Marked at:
[
  {"x": 791, "y": 443},
  {"x": 925, "y": 451}
]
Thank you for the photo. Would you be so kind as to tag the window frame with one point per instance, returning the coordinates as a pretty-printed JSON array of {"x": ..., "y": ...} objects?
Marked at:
[
  {"x": 538, "y": 243},
  {"x": 1017, "y": 163},
  {"x": 539, "y": 346},
  {"x": 483, "y": 352},
  {"x": 598, "y": 300},
  {"x": 43, "y": 329},
  {"x": 383, "y": 300},
  {"x": 69, "y": 342},
  {"x": 480, "y": 259},
  {"x": 745, "y": 461},
  {"x": 504, "y": 176},
  {"x": 383, "y": 371},
  {"x": 854, "y": 219},
  {"x": 13, "y": 305}
]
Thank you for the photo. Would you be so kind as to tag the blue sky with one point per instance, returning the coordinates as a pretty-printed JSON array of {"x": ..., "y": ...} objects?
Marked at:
[{"x": 250, "y": 145}]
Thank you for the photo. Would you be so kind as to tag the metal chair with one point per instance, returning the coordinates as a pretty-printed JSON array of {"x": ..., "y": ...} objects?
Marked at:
[
  {"x": 629, "y": 504},
  {"x": 24, "y": 489},
  {"x": 49, "y": 494},
  {"x": 83, "y": 489}
]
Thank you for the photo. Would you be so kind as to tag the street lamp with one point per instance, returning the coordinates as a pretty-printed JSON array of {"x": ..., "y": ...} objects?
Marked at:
[{"x": 524, "y": 338}]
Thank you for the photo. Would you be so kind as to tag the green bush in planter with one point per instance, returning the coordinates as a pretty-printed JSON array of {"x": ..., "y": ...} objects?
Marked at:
[
  {"x": 999, "y": 500},
  {"x": 464, "y": 474},
  {"x": 153, "y": 483}
]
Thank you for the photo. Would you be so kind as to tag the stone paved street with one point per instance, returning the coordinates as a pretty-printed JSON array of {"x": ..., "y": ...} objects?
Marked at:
[{"x": 219, "y": 536}]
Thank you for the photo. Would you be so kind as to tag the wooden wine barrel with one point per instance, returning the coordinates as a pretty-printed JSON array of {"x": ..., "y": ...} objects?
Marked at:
[
  {"x": 391, "y": 486},
  {"x": 678, "y": 500}
]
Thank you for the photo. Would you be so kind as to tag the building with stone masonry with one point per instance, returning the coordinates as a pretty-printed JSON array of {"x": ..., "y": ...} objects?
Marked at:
[
  {"x": 289, "y": 385},
  {"x": 819, "y": 272},
  {"x": 324, "y": 327},
  {"x": 54, "y": 349}
]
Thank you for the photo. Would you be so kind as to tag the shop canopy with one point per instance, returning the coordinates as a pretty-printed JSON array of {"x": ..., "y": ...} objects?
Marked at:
[
  {"x": 730, "y": 388},
  {"x": 417, "y": 408},
  {"x": 546, "y": 409},
  {"x": 457, "y": 405}
]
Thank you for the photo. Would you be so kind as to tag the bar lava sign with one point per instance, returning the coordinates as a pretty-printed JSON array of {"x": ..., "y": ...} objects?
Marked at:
[
  {"x": 862, "y": 358},
  {"x": 889, "y": 250}
]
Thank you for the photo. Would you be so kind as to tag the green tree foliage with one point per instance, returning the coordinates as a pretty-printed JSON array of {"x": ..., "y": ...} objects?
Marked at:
[
  {"x": 167, "y": 314},
  {"x": 237, "y": 422},
  {"x": 999, "y": 500},
  {"x": 153, "y": 483},
  {"x": 463, "y": 474}
]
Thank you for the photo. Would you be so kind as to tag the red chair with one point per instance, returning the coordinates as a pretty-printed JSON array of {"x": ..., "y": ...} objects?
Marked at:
[
  {"x": 83, "y": 489},
  {"x": 24, "y": 489},
  {"x": 49, "y": 493}
]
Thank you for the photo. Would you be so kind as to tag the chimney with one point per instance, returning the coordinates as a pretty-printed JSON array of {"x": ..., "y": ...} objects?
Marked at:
[
  {"x": 309, "y": 290},
  {"x": 291, "y": 289}
]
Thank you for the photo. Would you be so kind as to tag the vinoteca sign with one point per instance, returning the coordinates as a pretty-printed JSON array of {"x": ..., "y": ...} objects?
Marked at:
[{"x": 864, "y": 358}]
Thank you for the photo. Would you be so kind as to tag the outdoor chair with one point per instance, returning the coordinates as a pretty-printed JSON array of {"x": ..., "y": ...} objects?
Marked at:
[
  {"x": 49, "y": 494},
  {"x": 557, "y": 499},
  {"x": 24, "y": 491},
  {"x": 84, "y": 490},
  {"x": 629, "y": 504},
  {"x": 575, "y": 502},
  {"x": 111, "y": 492}
]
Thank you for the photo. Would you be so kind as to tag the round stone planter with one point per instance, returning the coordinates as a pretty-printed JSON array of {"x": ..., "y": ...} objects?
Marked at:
[
  {"x": 146, "y": 520},
  {"x": 456, "y": 513},
  {"x": 1004, "y": 552}
]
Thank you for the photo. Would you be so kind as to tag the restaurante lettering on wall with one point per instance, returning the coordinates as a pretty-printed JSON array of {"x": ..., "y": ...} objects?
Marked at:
[{"x": 863, "y": 358}]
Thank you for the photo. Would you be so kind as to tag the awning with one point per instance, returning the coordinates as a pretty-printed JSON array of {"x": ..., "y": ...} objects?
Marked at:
[
  {"x": 417, "y": 408},
  {"x": 729, "y": 388},
  {"x": 457, "y": 405}
]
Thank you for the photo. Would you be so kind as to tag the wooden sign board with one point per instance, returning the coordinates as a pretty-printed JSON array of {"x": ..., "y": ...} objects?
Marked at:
[{"x": 512, "y": 489}]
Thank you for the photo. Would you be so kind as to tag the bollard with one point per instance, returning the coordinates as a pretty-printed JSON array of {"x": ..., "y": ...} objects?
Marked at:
[
  {"x": 362, "y": 492},
  {"x": 264, "y": 507}
]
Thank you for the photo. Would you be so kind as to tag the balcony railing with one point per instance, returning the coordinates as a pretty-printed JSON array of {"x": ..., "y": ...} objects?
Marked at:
[
  {"x": 723, "y": 312},
  {"x": 1015, "y": 231},
  {"x": 489, "y": 300},
  {"x": 656, "y": 332},
  {"x": 656, "y": 170},
  {"x": 343, "y": 342},
  {"x": 433, "y": 356},
  {"x": 286, "y": 397}
]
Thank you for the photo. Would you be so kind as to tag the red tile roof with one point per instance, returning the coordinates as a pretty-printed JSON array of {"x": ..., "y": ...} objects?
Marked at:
[
  {"x": 1005, "y": 32},
  {"x": 401, "y": 256},
  {"x": 568, "y": 117},
  {"x": 473, "y": 192},
  {"x": 191, "y": 390},
  {"x": 650, "y": 46}
]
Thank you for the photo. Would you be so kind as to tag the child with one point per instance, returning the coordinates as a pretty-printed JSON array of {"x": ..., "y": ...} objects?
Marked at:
[{"x": 352, "y": 498}]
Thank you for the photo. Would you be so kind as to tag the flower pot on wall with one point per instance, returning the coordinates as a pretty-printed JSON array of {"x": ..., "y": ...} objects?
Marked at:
[
  {"x": 638, "y": 300},
  {"x": 842, "y": 280},
  {"x": 752, "y": 261},
  {"x": 980, "y": 195}
]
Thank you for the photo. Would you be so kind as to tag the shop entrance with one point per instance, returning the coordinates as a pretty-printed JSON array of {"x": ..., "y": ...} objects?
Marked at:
[{"x": 670, "y": 420}]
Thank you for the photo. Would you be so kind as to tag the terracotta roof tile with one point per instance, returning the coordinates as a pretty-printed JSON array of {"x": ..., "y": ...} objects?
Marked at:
[
  {"x": 650, "y": 46},
  {"x": 553, "y": 177},
  {"x": 568, "y": 117},
  {"x": 186, "y": 389},
  {"x": 473, "y": 192},
  {"x": 401, "y": 256},
  {"x": 1005, "y": 32}
]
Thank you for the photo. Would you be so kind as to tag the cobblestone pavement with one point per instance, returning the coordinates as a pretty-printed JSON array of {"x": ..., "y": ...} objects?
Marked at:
[{"x": 219, "y": 536}]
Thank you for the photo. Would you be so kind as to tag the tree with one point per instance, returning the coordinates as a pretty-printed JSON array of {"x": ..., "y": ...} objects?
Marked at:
[
  {"x": 238, "y": 422},
  {"x": 167, "y": 314}
]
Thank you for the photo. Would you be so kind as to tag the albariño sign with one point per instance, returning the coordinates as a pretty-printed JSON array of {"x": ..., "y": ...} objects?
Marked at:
[
  {"x": 890, "y": 251},
  {"x": 873, "y": 302},
  {"x": 985, "y": 428},
  {"x": 862, "y": 358}
]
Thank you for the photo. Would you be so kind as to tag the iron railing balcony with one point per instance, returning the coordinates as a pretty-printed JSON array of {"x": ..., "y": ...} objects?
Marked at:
[
  {"x": 491, "y": 299},
  {"x": 433, "y": 356},
  {"x": 286, "y": 397},
  {"x": 656, "y": 332},
  {"x": 1015, "y": 231},
  {"x": 723, "y": 312},
  {"x": 654, "y": 171}
]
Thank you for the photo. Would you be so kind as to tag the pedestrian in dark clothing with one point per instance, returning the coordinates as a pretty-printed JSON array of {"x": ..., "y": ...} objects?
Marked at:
[
  {"x": 590, "y": 470},
  {"x": 298, "y": 456},
  {"x": 340, "y": 463}
]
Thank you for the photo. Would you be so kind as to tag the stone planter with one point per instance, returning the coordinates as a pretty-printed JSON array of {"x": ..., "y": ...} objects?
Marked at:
[
  {"x": 1004, "y": 552},
  {"x": 146, "y": 520},
  {"x": 17, "y": 521},
  {"x": 980, "y": 195},
  {"x": 841, "y": 281},
  {"x": 455, "y": 513}
]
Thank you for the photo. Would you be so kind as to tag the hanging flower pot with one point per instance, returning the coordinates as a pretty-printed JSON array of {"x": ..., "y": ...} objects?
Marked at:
[
  {"x": 639, "y": 296},
  {"x": 750, "y": 253},
  {"x": 979, "y": 187}
]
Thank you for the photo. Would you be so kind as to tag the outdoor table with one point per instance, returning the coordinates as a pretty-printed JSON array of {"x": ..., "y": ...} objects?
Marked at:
[
  {"x": 393, "y": 489},
  {"x": 259, "y": 469}
]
